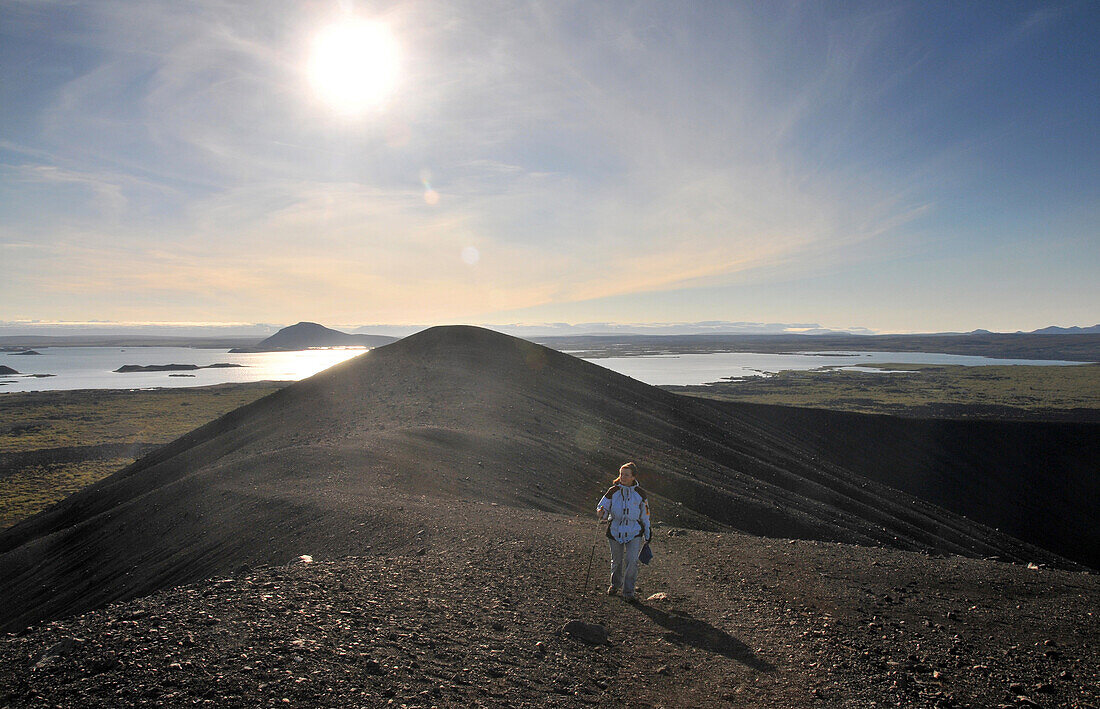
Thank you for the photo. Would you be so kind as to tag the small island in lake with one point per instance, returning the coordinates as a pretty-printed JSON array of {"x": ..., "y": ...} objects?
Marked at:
[
  {"x": 26, "y": 352},
  {"x": 7, "y": 370},
  {"x": 127, "y": 368}
]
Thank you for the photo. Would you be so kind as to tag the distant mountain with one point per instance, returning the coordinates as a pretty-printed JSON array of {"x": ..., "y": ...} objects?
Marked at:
[
  {"x": 708, "y": 327},
  {"x": 306, "y": 335},
  {"x": 1055, "y": 330},
  {"x": 468, "y": 417}
]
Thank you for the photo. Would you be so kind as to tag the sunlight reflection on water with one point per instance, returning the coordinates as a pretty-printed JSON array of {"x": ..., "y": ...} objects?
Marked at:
[{"x": 93, "y": 367}]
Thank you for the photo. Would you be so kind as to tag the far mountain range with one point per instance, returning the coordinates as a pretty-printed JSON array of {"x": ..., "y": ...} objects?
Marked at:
[
  {"x": 1055, "y": 330},
  {"x": 249, "y": 334},
  {"x": 710, "y": 336}
]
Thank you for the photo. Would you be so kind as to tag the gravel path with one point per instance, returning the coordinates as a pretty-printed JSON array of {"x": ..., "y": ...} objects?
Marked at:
[{"x": 472, "y": 615}]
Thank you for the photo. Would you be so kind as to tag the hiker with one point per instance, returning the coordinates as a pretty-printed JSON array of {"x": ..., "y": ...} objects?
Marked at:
[{"x": 626, "y": 507}]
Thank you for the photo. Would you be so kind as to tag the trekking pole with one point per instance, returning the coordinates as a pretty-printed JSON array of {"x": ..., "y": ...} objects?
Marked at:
[{"x": 591, "y": 556}]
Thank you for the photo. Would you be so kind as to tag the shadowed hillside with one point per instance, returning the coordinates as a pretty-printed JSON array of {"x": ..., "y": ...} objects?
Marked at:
[
  {"x": 1032, "y": 480},
  {"x": 457, "y": 413}
]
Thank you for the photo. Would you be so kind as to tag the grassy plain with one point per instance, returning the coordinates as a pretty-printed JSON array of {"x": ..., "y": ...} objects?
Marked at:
[
  {"x": 54, "y": 443},
  {"x": 52, "y": 419},
  {"x": 995, "y": 392}
]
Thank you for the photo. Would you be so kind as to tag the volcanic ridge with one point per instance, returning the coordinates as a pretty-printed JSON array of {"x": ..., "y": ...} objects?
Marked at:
[{"x": 431, "y": 489}]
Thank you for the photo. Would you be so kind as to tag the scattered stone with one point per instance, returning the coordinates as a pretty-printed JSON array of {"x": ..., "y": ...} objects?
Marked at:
[
  {"x": 659, "y": 596},
  {"x": 591, "y": 633},
  {"x": 105, "y": 663},
  {"x": 64, "y": 647}
]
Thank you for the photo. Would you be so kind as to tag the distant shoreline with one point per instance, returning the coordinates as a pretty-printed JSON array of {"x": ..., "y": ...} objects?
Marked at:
[{"x": 1082, "y": 347}]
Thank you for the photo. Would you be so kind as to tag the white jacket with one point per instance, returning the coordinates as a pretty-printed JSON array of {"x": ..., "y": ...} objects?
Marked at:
[{"x": 628, "y": 507}]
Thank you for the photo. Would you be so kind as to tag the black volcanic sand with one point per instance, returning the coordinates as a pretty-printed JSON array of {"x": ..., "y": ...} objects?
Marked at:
[
  {"x": 1033, "y": 480},
  {"x": 443, "y": 464},
  {"x": 468, "y": 611},
  {"x": 469, "y": 415}
]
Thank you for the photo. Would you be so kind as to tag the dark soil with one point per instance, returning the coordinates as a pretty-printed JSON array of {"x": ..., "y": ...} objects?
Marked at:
[
  {"x": 471, "y": 612},
  {"x": 1033, "y": 480}
]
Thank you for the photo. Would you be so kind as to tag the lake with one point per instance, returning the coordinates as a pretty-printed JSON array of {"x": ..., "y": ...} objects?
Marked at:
[
  {"x": 693, "y": 369},
  {"x": 93, "y": 367}
]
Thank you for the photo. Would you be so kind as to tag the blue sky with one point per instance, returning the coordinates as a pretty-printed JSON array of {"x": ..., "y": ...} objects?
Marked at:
[{"x": 894, "y": 166}]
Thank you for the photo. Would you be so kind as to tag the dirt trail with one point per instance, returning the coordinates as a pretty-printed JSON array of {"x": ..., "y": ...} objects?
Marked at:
[{"x": 469, "y": 612}]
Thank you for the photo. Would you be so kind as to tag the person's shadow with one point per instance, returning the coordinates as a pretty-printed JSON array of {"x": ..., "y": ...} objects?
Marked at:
[{"x": 685, "y": 629}]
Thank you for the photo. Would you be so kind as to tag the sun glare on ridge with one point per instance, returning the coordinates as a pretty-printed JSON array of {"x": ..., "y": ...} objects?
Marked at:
[{"x": 353, "y": 65}]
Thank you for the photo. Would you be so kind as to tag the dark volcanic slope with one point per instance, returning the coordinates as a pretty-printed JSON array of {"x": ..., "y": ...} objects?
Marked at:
[
  {"x": 457, "y": 412},
  {"x": 1037, "y": 481}
]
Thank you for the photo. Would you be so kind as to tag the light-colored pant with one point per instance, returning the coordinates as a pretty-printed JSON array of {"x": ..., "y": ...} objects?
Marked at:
[{"x": 624, "y": 564}]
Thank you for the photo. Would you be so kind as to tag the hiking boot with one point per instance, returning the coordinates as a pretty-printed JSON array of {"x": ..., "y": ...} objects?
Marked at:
[
  {"x": 611, "y": 590},
  {"x": 630, "y": 599}
]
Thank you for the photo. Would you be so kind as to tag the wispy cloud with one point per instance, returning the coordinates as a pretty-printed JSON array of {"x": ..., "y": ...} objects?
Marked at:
[
  {"x": 574, "y": 152},
  {"x": 105, "y": 191}
]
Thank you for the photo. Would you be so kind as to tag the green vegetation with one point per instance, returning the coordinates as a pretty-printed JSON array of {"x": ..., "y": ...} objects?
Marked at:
[
  {"x": 1020, "y": 392},
  {"x": 40, "y": 421},
  {"x": 52, "y": 419},
  {"x": 36, "y": 487}
]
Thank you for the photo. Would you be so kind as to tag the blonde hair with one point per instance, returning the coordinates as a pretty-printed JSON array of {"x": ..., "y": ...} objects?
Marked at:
[{"x": 627, "y": 466}]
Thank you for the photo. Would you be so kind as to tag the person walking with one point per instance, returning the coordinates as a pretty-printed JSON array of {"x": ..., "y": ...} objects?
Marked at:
[{"x": 626, "y": 507}]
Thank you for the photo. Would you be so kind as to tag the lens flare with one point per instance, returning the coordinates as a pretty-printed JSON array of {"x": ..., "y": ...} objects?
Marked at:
[{"x": 431, "y": 197}]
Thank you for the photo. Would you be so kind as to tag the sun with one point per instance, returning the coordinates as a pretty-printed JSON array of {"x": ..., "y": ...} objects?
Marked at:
[{"x": 353, "y": 65}]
